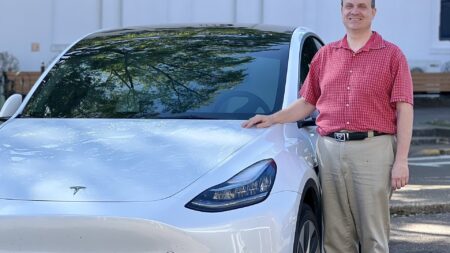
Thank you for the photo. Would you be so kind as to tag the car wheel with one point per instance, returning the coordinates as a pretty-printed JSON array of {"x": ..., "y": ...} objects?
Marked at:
[{"x": 307, "y": 236}]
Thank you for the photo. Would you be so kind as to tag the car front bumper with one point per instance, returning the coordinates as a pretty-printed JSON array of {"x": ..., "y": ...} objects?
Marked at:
[{"x": 27, "y": 226}]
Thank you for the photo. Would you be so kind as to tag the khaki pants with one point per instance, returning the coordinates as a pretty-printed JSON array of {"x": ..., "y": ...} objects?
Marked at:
[{"x": 355, "y": 179}]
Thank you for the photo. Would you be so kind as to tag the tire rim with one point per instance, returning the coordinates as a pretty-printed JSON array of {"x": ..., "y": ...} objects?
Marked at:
[{"x": 308, "y": 241}]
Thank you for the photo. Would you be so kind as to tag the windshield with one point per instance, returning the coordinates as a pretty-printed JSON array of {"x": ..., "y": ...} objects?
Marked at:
[{"x": 214, "y": 73}]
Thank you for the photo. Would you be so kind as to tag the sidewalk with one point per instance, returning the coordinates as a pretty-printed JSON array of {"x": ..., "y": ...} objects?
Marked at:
[{"x": 429, "y": 188}]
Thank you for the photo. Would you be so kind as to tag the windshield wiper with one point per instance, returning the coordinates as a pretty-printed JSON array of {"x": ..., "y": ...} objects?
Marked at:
[
  {"x": 183, "y": 116},
  {"x": 24, "y": 116},
  {"x": 170, "y": 116}
]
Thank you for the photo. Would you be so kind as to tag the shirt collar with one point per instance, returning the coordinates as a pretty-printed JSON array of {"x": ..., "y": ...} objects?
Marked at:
[{"x": 375, "y": 42}]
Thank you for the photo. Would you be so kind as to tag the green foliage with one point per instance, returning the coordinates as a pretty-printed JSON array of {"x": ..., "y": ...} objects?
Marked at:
[
  {"x": 143, "y": 73},
  {"x": 8, "y": 62}
]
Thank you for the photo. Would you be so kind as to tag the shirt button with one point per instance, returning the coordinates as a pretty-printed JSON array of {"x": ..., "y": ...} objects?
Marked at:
[
  {"x": 347, "y": 105},
  {"x": 348, "y": 87},
  {"x": 351, "y": 71},
  {"x": 348, "y": 123},
  {"x": 354, "y": 54}
]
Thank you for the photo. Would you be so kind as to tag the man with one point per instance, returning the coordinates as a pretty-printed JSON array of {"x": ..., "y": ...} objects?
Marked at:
[{"x": 362, "y": 87}]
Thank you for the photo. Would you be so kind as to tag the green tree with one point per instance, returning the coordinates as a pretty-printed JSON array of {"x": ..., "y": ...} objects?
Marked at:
[{"x": 141, "y": 73}]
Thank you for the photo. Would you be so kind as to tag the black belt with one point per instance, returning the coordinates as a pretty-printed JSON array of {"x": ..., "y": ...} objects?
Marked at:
[{"x": 353, "y": 136}]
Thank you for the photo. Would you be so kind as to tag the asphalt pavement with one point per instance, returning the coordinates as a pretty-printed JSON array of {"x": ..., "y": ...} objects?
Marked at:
[
  {"x": 420, "y": 212},
  {"x": 422, "y": 233},
  {"x": 428, "y": 190}
]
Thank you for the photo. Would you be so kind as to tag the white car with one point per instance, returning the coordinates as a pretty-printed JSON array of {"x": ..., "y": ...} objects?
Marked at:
[{"x": 132, "y": 142}]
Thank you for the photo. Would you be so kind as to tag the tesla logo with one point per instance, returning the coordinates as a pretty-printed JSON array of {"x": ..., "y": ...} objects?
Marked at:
[{"x": 77, "y": 188}]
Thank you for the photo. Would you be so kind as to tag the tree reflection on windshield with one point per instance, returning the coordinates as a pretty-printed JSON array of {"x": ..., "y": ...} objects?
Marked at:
[{"x": 147, "y": 73}]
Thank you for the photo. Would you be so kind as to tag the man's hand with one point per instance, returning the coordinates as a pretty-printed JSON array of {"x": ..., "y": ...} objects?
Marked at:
[
  {"x": 399, "y": 174},
  {"x": 296, "y": 111},
  {"x": 400, "y": 170},
  {"x": 260, "y": 121}
]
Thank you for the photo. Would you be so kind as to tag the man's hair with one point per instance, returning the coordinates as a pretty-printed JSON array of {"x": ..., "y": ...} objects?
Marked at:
[{"x": 372, "y": 4}]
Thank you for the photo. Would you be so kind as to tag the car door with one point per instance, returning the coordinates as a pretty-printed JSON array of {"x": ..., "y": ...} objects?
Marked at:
[{"x": 311, "y": 44}]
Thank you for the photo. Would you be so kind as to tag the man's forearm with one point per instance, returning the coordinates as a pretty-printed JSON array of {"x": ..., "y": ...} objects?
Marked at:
[
  {"x": 404, "y": 130},
  {"x": 300, "y": 109}
]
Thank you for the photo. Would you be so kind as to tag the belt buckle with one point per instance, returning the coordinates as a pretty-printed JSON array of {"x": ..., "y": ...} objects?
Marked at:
[{"x": 341, "y": 136}]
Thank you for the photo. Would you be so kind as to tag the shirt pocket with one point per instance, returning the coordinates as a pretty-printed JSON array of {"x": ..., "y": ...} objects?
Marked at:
[{"x": 377, "y": 79}]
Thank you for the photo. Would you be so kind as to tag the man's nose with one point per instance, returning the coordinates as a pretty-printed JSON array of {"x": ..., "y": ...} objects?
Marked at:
[{"x": 354, "y": 10}]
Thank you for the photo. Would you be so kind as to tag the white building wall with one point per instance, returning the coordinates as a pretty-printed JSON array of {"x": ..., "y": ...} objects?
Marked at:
[
  {"x": 70, "y": 21},
  {"x": 53, "y": 24},
  {"x": 250, "y": 12},
  {"x": 23, "y": 22},
  {"x": 111, "y": 13}
]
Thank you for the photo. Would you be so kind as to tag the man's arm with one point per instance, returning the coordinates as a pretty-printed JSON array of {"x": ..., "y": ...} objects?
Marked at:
[
  {"x": 296, "y": 111},
  {"x": 400, "y": 170}
]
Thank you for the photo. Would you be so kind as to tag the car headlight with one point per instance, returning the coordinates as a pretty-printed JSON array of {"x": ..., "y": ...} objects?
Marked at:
[{"x": 250, "y": 186}]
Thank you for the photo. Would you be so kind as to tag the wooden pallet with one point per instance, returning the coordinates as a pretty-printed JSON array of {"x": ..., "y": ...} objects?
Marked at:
[
  {"x": 431, "y": 82},
  {"x": 21, "y": 82}
]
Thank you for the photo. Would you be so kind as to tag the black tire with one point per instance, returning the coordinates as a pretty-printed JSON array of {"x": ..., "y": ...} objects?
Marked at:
[{"x": 307, "y": 234}]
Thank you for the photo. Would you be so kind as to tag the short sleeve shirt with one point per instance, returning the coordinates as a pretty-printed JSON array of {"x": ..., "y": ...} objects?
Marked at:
[{"x": 358, "y": 91}]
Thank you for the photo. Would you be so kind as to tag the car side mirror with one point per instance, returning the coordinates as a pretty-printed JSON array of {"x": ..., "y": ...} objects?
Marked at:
[
  {"x": 11, "y": 106},
  {"x": 306, "y": 122},
  {"x": 309, "y": 121}
]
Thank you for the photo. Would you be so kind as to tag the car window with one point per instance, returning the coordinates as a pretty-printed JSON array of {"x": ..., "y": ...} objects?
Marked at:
[
  {"x": 219, "y": 73},
  {"x": 318, "y": 43},
  {"x": 309, "y": 49}
]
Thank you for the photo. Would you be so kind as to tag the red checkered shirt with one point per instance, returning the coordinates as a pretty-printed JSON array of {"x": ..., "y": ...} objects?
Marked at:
[{"x": 358, "y": 91}]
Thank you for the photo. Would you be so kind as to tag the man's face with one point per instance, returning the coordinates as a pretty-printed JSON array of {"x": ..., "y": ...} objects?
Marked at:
[{"x": 357, "y": 15}]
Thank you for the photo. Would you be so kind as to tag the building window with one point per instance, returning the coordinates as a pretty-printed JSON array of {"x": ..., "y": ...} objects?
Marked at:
[{"x": 444, "y": 27}]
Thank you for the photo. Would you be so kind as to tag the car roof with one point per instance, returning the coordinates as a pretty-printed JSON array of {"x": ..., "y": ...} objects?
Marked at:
[{"x": 136, "y": 29}]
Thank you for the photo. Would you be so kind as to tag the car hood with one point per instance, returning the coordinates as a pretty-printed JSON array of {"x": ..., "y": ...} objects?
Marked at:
[{"x": 111, "y": 160}]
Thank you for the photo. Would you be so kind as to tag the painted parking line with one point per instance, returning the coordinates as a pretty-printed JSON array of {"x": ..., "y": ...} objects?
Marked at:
[{"x": 430, "y": 161}]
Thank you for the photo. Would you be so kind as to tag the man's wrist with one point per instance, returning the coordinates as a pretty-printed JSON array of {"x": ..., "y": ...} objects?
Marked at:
[
  {"x": 273, "y": 118},
  {"x": 401, "y": 159}
]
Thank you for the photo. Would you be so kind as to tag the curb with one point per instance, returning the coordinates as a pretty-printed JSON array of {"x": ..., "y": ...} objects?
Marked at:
[
  {"x": 419, "y": 209},
  {"x": 428, "y": 150},
  {"x": 431, "y": 131},
  {"x": 430, "y": 140},
  {"x": 430, "y": 136},
  {"x": 434, "y": 151}
]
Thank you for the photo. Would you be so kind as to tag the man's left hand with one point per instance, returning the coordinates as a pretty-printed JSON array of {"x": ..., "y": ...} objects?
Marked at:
[{"x": 399, "y": 175}]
